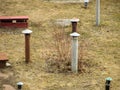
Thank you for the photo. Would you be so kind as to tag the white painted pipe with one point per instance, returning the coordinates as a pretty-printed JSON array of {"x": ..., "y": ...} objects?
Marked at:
[
  {"x": 97, "y": 12},
  {"x": 74, "y": 62}
]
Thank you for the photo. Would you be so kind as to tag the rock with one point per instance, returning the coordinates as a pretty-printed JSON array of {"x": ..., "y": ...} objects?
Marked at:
[
  {"x": 8, "y": 64},
  {"x": 8, "y": 87}
]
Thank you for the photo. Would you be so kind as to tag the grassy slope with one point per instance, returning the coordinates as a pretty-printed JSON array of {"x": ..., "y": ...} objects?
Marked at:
[{"x": 102, "y": 44}]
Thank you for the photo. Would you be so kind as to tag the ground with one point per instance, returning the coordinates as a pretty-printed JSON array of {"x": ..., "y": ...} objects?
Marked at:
[{"x": 101, "y": 54}]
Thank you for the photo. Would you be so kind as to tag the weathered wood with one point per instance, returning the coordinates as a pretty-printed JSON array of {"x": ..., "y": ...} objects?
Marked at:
[
  {"x": 14, "y": 21},
  {"x": 3, "y": 60}
]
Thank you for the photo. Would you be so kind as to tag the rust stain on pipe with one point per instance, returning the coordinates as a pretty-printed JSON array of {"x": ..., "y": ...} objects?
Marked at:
[
  {"x": 27, "y": 48},
  {"x": 74, "y": 26}
]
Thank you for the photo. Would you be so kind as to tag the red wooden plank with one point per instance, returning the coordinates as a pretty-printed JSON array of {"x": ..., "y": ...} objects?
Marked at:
[
  {"x": 3, "y": 57},
  {"x": 13, "y": 17},
  {"x": 17, "y": 25},
  {"x": 3, "y": 60}
]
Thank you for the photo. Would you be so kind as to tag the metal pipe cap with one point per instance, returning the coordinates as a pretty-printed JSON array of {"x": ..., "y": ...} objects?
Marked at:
[
  {"x": 27, "y": 31},
  {"x": 75, "y": 20},
  {"x": 20, "y": 83},
  {"x": 108, "y": 79},
  {"x": 86, "y": 0},
  {"x": 74, "y": 34}
]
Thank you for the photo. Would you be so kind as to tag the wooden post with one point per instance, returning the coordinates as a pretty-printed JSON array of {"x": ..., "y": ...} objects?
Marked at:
[
  {"x": 74, "y": 62},
  {"x": 27, "y": 45}
]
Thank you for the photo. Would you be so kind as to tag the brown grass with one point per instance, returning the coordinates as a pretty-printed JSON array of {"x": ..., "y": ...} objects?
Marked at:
[{"x": 100, "y": 54}]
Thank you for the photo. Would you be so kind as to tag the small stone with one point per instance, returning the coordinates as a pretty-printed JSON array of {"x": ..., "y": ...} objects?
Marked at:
[{"x": 8, "y": 64}]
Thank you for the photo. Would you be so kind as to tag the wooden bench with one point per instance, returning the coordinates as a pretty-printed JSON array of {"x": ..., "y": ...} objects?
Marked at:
[
  {"x": 14, "y": 21},
  {"x": 3, "y": 60}
]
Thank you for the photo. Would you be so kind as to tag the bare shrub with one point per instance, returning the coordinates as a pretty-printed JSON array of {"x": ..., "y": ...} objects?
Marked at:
[
  {"x": 62, "y": 44},
  {"x": 60, "y": 60}
]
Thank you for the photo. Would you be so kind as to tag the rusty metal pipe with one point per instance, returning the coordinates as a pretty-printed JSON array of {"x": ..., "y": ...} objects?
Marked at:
[
  {"x": 74, "y": 24},
  {"x": 27, "y": 45},
  {"x": 27, "y": 48}
]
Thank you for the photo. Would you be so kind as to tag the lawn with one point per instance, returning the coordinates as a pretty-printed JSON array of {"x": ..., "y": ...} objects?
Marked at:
[{"x": 101, "y": 53}]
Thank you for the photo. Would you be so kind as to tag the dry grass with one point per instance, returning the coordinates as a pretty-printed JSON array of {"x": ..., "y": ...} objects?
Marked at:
[{"x": 101, "y": 43}]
